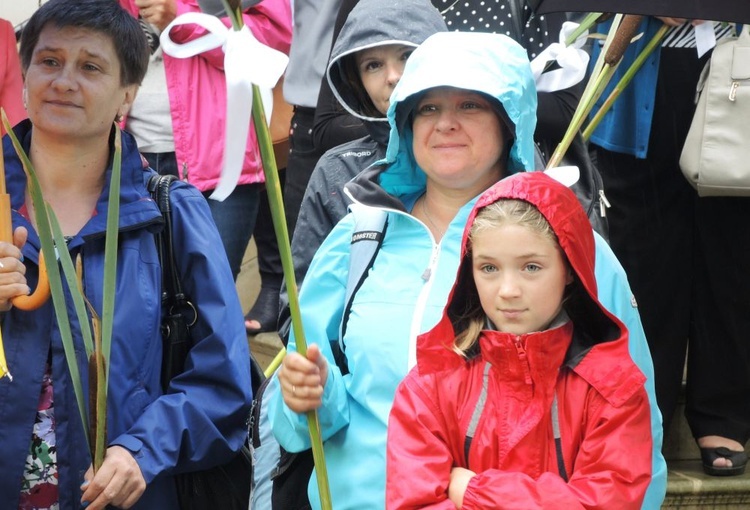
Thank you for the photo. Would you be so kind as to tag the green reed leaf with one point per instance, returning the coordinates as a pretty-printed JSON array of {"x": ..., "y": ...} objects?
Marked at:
[
  {"x": 273, "y": 188},
  {"x": 53, "y": 271}
]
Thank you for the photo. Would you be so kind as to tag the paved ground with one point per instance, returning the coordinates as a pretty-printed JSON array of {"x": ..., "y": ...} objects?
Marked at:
[{"x": 265, "y": 345}]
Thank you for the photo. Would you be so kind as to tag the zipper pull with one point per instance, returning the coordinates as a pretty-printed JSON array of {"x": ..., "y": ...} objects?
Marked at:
[
  {"x": 603, "y": 203},
  {"x": 426, "y": 275},
  {"x": 524, "y": 361},
  {"x": 733, "y": 90}
]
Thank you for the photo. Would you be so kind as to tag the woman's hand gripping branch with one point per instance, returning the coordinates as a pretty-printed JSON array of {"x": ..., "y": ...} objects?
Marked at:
[
  {"x": 119, "y": 482},
  {"x": 302, "y": 379}
]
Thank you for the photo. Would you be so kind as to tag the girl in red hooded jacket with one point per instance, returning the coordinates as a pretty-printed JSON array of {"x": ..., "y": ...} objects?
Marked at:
[{"x": 524, "y": 395}]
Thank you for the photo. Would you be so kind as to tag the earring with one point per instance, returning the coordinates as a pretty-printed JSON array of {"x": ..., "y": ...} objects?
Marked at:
[
  {"x": 23, "y": 96},
  {"x": 118, "y": 118}
]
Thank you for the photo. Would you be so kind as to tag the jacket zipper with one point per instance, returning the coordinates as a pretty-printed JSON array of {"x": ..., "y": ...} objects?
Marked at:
[
  {"x": 603, "y": 204},
  {"x": 416, "y": 324},
  {"x": 433, "y": 260},
  {"x": 517, "y": 22},
  {"x": 524, "y": 360}
]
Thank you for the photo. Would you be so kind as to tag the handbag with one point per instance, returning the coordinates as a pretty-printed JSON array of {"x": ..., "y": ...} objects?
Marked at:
[
  {"x": 715, "y": 158},
  {"x": 221, "y": 487},
  {"x": 281, "y": 121}
]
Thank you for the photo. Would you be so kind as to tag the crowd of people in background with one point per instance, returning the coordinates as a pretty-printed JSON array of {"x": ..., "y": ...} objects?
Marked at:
[{"x": 504, "y": 343}]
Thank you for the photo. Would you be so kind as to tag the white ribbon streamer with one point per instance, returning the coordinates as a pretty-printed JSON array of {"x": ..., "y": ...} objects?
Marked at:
[
  {"x": 567, "y": 175},
  {"x": 572, "y": 60},
  {"x": 705, "y": 37},
  {"x": 246, "y": 62}
]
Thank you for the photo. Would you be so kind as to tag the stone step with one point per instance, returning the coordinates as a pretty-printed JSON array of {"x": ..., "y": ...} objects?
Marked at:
[
  {"x": 678, "y": 442},
  {"x": 688, "y": 487},
  {"x": 265, "y": 347}
]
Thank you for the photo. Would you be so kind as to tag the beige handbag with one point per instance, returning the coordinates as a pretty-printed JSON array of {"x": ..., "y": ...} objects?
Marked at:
[{"x": 716, "y": 155}]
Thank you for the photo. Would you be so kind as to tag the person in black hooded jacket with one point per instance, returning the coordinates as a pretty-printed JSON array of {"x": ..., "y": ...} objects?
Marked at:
[{"x": 334, "y": 125}]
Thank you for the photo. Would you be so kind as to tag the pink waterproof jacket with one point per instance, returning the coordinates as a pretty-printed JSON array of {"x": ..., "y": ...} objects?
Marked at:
[
  {"x": 197, "y": 93},
  {"x": 494, "y": 413},
  {"x": 11, "y": 82}
]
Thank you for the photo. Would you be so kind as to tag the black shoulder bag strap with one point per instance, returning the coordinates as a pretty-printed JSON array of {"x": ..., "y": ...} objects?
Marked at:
[
  {"x": 178, "y": 313},
  {"x": 226, "y": 486}
]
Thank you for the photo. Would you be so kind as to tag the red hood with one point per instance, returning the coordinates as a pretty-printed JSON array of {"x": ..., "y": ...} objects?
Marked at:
[
  {"x": 562, "y": 210},
  {"x": 559, "y": 205}
]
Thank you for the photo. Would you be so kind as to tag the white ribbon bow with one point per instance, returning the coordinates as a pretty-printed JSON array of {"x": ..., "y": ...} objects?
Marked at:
[
  {"x": 246, "y": 62},
  {"x": 572, "y": 60}
]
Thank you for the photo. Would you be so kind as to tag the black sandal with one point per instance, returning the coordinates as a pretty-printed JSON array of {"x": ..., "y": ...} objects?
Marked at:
[
  {"x": 738, "y": 460},
  {"x": 265, "y": 311}
]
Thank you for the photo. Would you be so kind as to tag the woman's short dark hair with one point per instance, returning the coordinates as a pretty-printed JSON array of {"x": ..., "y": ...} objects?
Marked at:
[{"x": 103, "y": 16}]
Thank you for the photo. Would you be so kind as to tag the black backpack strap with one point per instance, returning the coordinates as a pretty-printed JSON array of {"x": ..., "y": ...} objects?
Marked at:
[
  {"x": 255, "y": 423},
  {"x": 178, "y": 313},
  {"x": 369, "y": 230}
]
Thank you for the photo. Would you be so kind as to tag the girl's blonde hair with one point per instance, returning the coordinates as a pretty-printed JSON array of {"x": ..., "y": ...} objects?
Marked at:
[{"x": 470, "y": 321}]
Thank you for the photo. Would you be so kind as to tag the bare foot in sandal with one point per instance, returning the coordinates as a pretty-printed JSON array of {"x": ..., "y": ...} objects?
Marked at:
[{"x": 718, "y": 454}]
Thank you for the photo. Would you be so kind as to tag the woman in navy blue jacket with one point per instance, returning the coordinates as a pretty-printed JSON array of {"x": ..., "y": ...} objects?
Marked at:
[{"x": 83, "y": 62}]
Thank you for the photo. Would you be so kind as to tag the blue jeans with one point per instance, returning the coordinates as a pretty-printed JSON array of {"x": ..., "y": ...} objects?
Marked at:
[
  {"x": 163, "y": 162},
  {"x": 235, "y": 219}
]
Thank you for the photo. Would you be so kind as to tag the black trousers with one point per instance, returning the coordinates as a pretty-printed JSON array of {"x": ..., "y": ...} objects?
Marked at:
[
  {"x": 688, "y": 262},
  {"x": 269, "y": 260},
  {"x": 303, "y": 157}
]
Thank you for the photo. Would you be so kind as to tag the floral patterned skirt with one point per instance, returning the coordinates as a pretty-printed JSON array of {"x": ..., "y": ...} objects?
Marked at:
[{"x": 39, "y": 484}]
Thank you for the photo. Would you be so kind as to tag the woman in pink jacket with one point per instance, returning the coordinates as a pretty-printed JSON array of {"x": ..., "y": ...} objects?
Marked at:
[
  {"x": 524, "y": 395},
  {"x": 11, "y": 81},
  {"x": 196, "y": 88}
]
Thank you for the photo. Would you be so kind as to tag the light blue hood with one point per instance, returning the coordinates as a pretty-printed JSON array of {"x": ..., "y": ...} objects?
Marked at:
[{"x": 493, "y": 64}]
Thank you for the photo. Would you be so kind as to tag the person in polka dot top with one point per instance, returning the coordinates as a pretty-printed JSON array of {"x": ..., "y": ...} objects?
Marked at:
[{"x": 515, "y": 19}]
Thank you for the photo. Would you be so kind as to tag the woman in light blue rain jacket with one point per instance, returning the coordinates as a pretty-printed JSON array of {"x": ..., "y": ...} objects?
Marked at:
[{"x": 408, "y": 285}]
